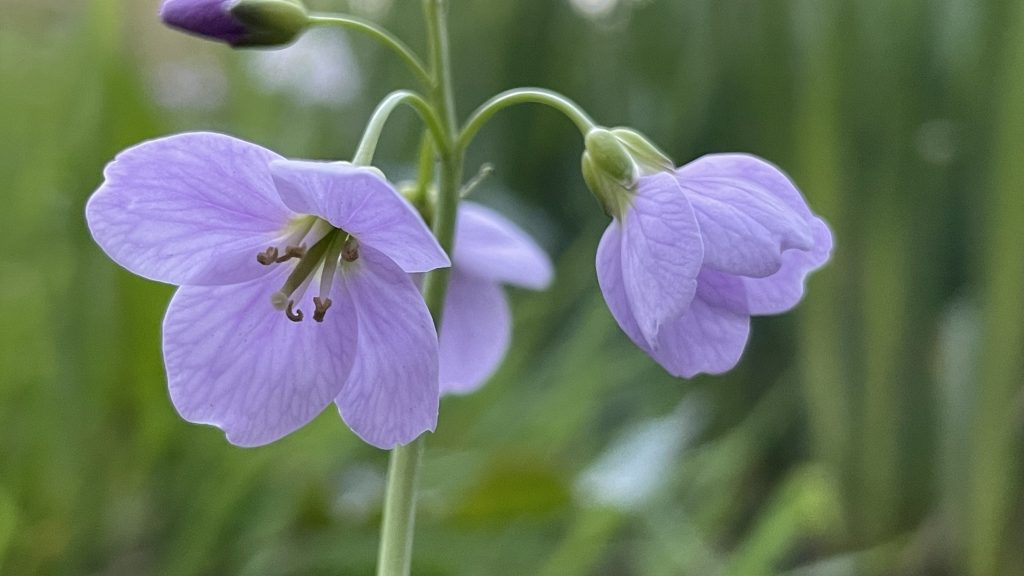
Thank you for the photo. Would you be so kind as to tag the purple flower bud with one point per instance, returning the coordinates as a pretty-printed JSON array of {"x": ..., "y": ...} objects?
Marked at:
[{"x": 238, "y": 22}]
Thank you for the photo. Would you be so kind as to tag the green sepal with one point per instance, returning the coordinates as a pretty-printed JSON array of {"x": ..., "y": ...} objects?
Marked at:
[
  {"x": 609, "y": 171},
  {"x": 270, "y": 22},
  {"x": 648, "y": 157}
]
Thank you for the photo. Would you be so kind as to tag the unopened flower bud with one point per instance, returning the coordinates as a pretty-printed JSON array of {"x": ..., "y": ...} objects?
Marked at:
[{"x": 239, "y": 23}]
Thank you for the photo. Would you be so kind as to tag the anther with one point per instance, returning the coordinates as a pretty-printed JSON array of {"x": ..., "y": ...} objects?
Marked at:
[
  {"x": 322, "y": 304},
  {"x": 268, "y": 256},
  {"x": 292, "y": 314},
  {"x": 292, "y": 252},
  {"x": 350, "y": 253}
]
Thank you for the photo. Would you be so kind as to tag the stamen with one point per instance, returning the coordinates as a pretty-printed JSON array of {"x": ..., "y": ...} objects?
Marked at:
[
  {"x": 268, "y": 256},
  {"x": 350, "y": 253},
  {"x": 292, "y": 314},
  {"x": 292, "y": 252},
  {"x": 322, "y": 304}
]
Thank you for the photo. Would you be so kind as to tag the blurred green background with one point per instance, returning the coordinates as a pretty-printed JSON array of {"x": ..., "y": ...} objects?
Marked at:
[{"x": 876, "y": 430}]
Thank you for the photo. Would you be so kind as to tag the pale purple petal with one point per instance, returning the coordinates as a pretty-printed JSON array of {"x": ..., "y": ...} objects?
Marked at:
[
  {"x": 488, "y": 245},
  {"x": 210, "y": 18},
  {"x": 662, "y": 252},
  {"x": 711, "y": 336},
  {"x": 609, "y": 278},
  {"x": 475, "y": 332},
  {"x": 361, "y": 202},
  {"x": 391, "y": 395},
  {"x": 189, "y": 209},
  {"x": 782, "y": 291},
  {"x": 237, "y": 363},
  {"x": 745, "y": 209}
]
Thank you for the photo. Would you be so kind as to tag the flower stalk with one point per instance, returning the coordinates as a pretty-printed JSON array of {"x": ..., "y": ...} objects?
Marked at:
[{"x": 395, "y": 553}]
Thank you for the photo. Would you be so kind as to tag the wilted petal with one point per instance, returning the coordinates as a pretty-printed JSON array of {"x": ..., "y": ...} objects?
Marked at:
[
  {"x": 743, "y": 206},
  {"x": 488, "y": 245},
  {"x": 391, "y": 395},
  {"x": 662, "y": 252},
  {"x": 782, "y": 291},
  {"x": 711, "y": 336},
  {"x": 359, "y": 201},
  {"x": 237, "y": 363},
  {"x": 475, "y": 332},
  {"x": 189, "y": 209}
]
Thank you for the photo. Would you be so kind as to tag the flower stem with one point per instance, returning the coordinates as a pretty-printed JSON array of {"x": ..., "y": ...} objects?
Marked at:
[
  {"x": 451, "y": 156},
  {"x": 523, "y": 96},
  {"x": 395, "y": 557},
  {"x": 371, "y": 136},
  {"x": 395, "y": 554},
  {"x": 382, "y": 36}
]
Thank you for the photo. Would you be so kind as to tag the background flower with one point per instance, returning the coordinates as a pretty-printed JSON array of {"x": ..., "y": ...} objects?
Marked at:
[{"x": 490, "y": 250}]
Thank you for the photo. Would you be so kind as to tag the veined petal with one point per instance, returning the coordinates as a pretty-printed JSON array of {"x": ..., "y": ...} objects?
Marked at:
[
  {"x": 237, "y": 363},
  {"x": 782, "y": 291},
  {"x": 189, "y": 209},
  {"x": 475, "y": 332},
  {"x": 745, "y": 207},
  {"x": 391, "y": 395},
  {"x": 609, "y": 278},
  {"x": 662, "y": 253},
  {"x": 490, "y": 246},
  {"x": 359, "y": 201},
  {"x": 711, "y": 336}
]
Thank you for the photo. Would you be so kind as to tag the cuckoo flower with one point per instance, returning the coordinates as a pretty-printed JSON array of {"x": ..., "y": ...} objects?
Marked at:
[
  {"x": 294, "y": 281},
  {"x": 238, "y": 22},
  {"x": 693, "y": 253},
  {"x": 475, "y": 330}
]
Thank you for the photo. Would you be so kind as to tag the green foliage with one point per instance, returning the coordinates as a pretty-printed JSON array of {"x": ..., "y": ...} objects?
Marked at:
[{"x": 877, "y": 430}]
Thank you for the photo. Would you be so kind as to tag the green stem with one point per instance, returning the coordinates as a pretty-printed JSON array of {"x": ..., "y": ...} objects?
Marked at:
[
  {"x": 371, "y": 136},
  {"x": 443, "y": 98},
  {"x": 523, "y": 96},
  {"x": 382, "y": 36},
  {"x": 395, "y": 556}
]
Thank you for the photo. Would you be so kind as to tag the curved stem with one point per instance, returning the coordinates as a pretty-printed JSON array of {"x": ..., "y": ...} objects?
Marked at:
[
  {"x": 523, "y": 96},
  {"x": 371, "y": 136},
  {"x": 382, "y": 36}
]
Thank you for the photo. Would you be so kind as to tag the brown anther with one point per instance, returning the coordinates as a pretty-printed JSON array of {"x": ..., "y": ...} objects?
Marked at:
[
  {"x": 350, "y": 253},
  {"x": 292, "y": 252},
  {"x": 268, "y": 256},
  {"x": 292, "y": 314},
  {"x": 322, "y": 304}
]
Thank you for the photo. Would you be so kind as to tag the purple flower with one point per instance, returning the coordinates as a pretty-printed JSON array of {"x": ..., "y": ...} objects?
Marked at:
[
  {"x": 699, "y": 251},
  {"x": 294, "y": 292},
  {"x": 237, "y": 22},
  {"x": 475, "y": 330}
]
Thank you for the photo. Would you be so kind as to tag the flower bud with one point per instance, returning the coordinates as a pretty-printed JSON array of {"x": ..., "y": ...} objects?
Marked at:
[
  {"x": 239, "y": 23},
  {"x": 608, "y": 170}
]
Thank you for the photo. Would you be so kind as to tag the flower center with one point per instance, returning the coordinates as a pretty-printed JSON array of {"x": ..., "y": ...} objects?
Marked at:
[{"x": 322, "y": 258}]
